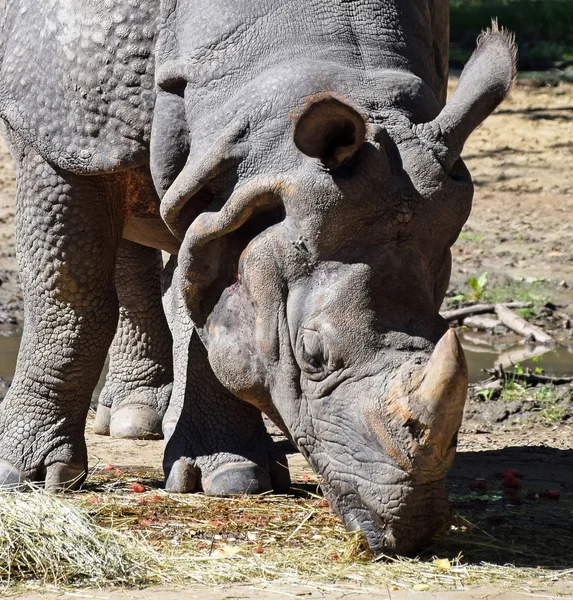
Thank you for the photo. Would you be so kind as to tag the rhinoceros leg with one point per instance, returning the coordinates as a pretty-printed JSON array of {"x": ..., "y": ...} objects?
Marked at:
[
  {"x": 220, "y": 444},
  {"x": 215, "y": 442},
  {"x": 138, "y": 385},
  {"x": 67, "y": 232}
]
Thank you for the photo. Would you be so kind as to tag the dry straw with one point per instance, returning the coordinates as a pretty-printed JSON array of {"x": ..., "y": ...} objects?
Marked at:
[
  {"x": 48, "y": 539},
  {"x": 109, "y": 535}
]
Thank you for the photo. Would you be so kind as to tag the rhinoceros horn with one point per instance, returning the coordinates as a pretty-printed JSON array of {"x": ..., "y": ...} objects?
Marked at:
[
  {"x": 442, "y": 393},
  {"x": 419, "y": 420}
]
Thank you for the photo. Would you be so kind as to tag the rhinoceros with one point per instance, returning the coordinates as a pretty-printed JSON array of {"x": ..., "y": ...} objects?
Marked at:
[{"x": 300, "y": 161}]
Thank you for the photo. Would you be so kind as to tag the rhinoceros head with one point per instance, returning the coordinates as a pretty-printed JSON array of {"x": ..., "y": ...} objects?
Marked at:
[{"x": 316, "y": 215}]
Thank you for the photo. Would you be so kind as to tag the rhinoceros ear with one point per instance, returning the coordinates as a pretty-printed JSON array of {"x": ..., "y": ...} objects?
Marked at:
[
  {"x": 485, "y": 81},
  {"x": 329, "y": 130}
]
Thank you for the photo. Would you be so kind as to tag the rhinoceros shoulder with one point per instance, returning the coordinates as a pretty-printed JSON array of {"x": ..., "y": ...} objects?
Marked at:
[{"x": 76, "y": 79}]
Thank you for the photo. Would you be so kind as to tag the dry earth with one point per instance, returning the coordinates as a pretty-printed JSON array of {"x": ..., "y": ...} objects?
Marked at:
[
  {"x": 521, "y": 159},
  {"x": 521, "y": 227},
  {"x": 304, "y": 592}
]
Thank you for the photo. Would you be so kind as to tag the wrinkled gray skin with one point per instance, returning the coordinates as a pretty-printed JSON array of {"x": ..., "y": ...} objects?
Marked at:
[{"x": 310, "y": 172}]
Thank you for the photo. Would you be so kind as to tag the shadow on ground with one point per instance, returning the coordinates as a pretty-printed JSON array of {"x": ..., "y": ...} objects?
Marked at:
[{"x": 513, "y": 505}]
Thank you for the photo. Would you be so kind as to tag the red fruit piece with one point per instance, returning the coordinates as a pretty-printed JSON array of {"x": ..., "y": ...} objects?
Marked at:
[
  {"x": 478, "y": 485},
  {"x": 118, "y": 472},
  {"x": 108, "y": 467},
  {"x": 305, "y": 477},
  {"x": 146, "y": 522},
  {"x": 258, "y": 550},
  {"x": 333, "y": 556},
  {"x": 155, "y": 498},
  {"x": 510, "y": 480},
  {"x": 96, "y": 500},
  {"x": 552, "y": 494},
  {"x": 136, "y": 488}
]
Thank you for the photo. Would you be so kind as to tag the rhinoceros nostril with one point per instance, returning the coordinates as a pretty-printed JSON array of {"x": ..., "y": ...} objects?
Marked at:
[{"x": 417, "y": 430}]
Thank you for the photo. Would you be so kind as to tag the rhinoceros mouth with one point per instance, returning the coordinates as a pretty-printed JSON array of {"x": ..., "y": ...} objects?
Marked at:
[{"x": 399, "y": 527}]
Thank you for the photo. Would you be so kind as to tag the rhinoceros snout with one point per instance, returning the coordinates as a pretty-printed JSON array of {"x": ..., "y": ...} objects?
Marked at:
[
  {"x": 404, "y": 522},
  {"x": 389, "y": 481}
]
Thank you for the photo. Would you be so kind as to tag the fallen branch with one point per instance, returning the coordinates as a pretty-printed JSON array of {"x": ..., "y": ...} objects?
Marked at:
[
  {"x": 519, "y": 354},
  {"x": 481, "y": 322},
  {"x": 527, "y": 377},
  {"x": 479, "y": 309},
  {"x": 521, "y": 326}
]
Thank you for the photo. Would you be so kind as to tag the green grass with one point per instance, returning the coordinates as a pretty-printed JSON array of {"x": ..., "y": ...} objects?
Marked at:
[
  {"x": 553, "y": 414},
  {"x": 544, "y": 28},
  {"x": 520, "y": 291},
  {"x": 478, "y": 285},
  {"x": 472, "y": 236},
  {"x": 478, "y": 288},
  {"x": 512, "y": 390}
]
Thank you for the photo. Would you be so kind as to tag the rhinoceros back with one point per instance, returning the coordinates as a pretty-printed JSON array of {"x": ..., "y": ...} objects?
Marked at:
[
  {"x": 76, "y": 79},
  {"x": 226, "y": 43}
]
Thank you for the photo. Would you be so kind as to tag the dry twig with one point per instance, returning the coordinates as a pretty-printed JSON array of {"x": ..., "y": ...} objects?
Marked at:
[
  {"x": 521, "y": 326},
  {"x": 527, "y": 377},
  {"x": 479, "y": 309}
]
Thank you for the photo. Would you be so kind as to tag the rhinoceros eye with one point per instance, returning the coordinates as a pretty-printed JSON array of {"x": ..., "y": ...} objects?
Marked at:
[
  {"x": 311, "y": 360},
  {"x": 312, "y": 353}
]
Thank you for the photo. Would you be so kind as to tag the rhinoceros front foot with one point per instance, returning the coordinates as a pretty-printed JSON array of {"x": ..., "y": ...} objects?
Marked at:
[
  {"x": 58, "y": 477},
  {"x": 229, "y": 479},
  {"x": 215, "y": 442},
  {"x": 237, "y": 478}
]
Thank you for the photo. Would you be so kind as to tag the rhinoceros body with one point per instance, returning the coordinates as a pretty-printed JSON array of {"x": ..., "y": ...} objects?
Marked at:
[{"x": 301, "y": 162}]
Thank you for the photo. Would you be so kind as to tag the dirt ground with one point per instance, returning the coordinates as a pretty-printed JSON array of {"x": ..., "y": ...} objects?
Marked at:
[
  {"x": 521, "y": 233},
  {"x": 521, "y": 224},
  {"x": 305, "y": 592}
]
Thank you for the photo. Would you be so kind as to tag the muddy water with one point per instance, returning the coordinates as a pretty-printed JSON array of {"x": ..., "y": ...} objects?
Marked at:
[
  {"x": 9, "y": 344},
  {"x": 480, "y": 353},
  {"x": 483, "y": 354}
]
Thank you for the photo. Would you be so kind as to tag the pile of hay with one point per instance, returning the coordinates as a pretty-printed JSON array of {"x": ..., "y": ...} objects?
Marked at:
[
  {"x": 121, "y": 531},
  {"x": 49, "y": 540}
]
